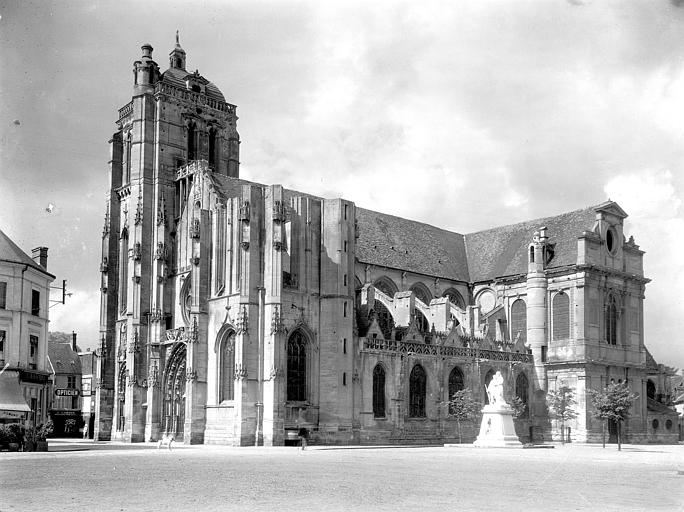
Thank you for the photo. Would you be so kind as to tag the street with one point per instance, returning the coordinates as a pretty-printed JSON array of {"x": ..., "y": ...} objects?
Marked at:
[{"x": 110, "y": 476}]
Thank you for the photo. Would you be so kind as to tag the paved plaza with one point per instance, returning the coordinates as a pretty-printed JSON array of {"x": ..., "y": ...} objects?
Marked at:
[{"x": 81, "y": 475}]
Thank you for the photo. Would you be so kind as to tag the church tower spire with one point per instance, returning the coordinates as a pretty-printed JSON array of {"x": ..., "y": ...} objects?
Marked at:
[{"x": 177, "y": 56}]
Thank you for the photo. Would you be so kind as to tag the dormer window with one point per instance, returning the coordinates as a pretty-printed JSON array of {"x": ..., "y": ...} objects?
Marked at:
[{"x": 195, "y": 88}]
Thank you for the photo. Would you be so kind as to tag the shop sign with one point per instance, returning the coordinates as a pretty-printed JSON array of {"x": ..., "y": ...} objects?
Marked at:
[
  {"x": 67, "y": 392},
  {"x": 11, "y": 415}
]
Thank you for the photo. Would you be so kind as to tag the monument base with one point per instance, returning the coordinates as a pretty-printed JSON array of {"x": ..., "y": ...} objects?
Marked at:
[{"x": 497, "y": 429}]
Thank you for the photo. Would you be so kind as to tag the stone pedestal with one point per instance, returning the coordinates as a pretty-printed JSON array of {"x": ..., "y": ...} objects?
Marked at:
[{"x": 497, "y": 429}]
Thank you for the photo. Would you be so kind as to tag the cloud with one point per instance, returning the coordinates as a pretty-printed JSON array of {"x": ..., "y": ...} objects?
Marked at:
[
  {"x": 80, "y": 314},
  {"x": 652, "y": 199}
]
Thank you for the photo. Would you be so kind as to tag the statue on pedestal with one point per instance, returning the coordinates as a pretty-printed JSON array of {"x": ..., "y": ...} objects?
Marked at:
[
  {"x": 497, "y": 429},
  {"x": 495, "y": 390}
]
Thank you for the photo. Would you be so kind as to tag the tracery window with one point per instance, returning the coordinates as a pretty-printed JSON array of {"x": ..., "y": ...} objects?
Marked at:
[
  {"x": 386, "y": 286},
  {"x": 454, "y": 297},
  {"x": 522, "y": 391},
  {"x": 123, "y": 271},
  {"x": 422, "y": 293},
  {"x": 611, "y": 315},
  {"x": 220, "y": 258},
  {"x": 519, "y": 321},
  {"x": 296, "y": 367},
  {"x": 561, "y": 316},
  {"x": 378, "y": 391},
  {"x": 455, "y": 384},
  {"x": 417, "y": 392},
  {"x": 227, "y": 367}
]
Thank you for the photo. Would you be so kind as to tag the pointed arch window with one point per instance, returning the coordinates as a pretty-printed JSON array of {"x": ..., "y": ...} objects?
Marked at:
[
  {"x": 127, "y": 159},
  {"x": 561, "y": 316},
  {"x": 378, "y": 391},
  {"x": 455, "y": 384},
  {"x": 192, "y": 149},
  {"x": 417, "y": 392},
  {"x": 212, "y": 148},
  {"x": 611, "y": 321},
  {"x": 227, "y": 367},
  {"x": 522, "y": 391},
  {"x": 422, "y": 293},
  {"x": 296, "y": 367},
  {"x": 454, "y": 297},
  {"x": 519, "y": 321},
  {"x": 123, "y": 271}
]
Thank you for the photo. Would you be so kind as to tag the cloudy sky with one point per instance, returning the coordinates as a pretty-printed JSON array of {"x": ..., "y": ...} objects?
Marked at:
[{"x": 465, "y": 115}]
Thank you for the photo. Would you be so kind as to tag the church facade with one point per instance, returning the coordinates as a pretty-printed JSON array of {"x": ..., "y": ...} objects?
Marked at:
[{"x": 246, "y": 314}]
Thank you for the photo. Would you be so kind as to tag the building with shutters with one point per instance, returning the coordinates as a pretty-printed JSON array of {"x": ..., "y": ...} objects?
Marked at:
[
  {"x": 240, "y": 313},
  {"x": 24, "y": 295}
]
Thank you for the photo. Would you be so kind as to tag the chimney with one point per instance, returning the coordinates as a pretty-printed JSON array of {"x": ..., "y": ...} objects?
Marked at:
[
  {"x": 39, "y": 255},
  {"x": 73, "y": 341}
]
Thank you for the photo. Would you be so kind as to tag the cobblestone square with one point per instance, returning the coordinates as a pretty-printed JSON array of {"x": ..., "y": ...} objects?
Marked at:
[{"x": 109, "y": 476}]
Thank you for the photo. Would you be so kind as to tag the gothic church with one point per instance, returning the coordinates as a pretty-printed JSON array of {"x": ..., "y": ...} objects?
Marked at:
[{"x": 239, "y": 313}]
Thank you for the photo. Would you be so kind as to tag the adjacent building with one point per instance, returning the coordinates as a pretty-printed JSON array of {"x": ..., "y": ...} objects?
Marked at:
[
  {"x": 239, "y": 313},
  {"x": 65, "y": 398},
  {"x": 89, "y": 368},
  {"x": 24, "y": 297}
]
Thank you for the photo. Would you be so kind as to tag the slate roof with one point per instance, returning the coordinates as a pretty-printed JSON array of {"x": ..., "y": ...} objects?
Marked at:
[
  {"x": 404, "y": 244},
  {"x": 395, "y": 242},
  {"x": 502, "y": 251},
  {"x": 63, "y": 359},
  {"x": 9, "y": 251},
  {"x": 176, "y": 77}
]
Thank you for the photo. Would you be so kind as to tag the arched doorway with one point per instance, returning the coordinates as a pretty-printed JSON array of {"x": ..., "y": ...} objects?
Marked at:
[{"x": 174, "y": 393}]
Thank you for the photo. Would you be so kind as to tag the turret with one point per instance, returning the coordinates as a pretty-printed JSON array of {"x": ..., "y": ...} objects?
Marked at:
[
  {"x": 536, "y": 302},
  {"x": 177, "y": 56},
  {"x": 145, "y": 72}
]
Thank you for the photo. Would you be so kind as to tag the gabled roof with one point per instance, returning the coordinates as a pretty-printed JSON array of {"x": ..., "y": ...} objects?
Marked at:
[
  {"x": 404, "y": 244},
  {"x": 502, "y": 251},
  {"x": 63, "y": 359},
  {"x": 9, "y": 251}
]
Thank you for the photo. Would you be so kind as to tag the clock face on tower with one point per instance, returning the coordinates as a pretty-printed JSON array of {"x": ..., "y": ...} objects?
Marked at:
[{"x": 486, "y": 300}]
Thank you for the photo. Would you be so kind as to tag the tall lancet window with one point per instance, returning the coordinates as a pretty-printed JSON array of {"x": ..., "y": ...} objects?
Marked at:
[
  {"x": 123, "y": 271},
  {"x": 220, "y": 256},
  {"x": 611, "y": 321},
  {"x": 296, "y": 367},
  {"x": 417, "y": 392},
  {"x": 127, "y": 159},
  {"x": 227, "y": 367},
  {"x": 192, "y": 148},
  {"x": 378, "y": 391},
  {"x": 212, "y": 149}
]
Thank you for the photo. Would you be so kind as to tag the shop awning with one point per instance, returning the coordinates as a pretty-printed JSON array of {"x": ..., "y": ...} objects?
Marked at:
[{"x": 11, "y": 398}]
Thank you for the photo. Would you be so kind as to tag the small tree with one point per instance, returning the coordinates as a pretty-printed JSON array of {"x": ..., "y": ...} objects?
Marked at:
[
  {"x": 519, "y": 407},
  {"x": 612, "y": 404},
  {"x": 463, "y": 407},
  {"x": 562, "y": 406}
]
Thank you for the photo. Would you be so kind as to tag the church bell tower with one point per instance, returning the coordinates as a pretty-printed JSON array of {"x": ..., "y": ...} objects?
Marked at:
[{"x": 176, "y": 124}]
